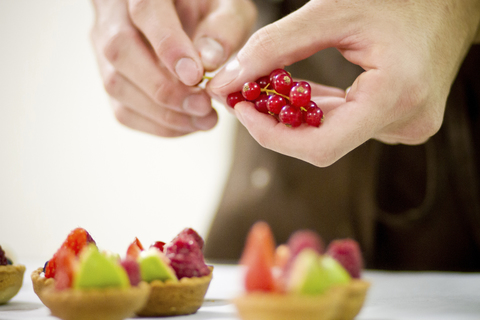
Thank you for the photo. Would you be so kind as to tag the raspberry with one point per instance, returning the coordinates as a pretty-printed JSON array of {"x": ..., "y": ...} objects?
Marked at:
[
  {"x": 185, "y": 254},
  {"x": 303, "y": 239},
  {"x": 347, "y": 253},
  {"x": 76, "y": 240},
  {"x": 65, "y": 266},
  {"x": 133, "y": 270},
  {"x": 3, "y": 258},
  {"x": 189, "y": 232}
]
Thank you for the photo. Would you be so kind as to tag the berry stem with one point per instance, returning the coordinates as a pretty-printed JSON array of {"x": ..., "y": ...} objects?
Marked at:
[
  {"x": 207, "y": 77},
  {"x": 272, "y": 91}
]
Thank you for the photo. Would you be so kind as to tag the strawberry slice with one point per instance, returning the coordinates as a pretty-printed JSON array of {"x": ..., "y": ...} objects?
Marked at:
[
  {"x": 76, "y": 240},
  {"x": 134, "y": 249},
  {"x": 65, "y": 266},
  {"x": 258, "y": 257}
]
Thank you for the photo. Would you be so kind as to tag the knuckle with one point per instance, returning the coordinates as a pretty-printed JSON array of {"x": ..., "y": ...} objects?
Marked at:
[
  {"x": 112, "y": 83},
  {"x": 163, "y": 93},
  {"x": 117, "y": 41},
  {"x": 122, "y": 114},
  {"x": 137, "y": 7}
]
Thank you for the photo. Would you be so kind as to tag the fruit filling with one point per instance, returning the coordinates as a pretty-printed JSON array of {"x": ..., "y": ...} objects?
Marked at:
[{"x": 301, "y": 266}]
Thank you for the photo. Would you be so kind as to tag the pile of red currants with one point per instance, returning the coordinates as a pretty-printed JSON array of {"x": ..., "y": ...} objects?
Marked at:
[{"x": 278, "y": 95}]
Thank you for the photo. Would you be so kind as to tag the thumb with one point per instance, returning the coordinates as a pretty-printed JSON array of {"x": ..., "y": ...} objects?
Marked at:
[{"x": 295, "y": 37}]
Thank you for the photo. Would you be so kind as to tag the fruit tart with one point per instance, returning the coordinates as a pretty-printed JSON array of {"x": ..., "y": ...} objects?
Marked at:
[
  {"x": 81, "y": 282},
  {"x": 176, "y": 273},
  {"x": 11, "y": 277},
  {"x": 300, "y": 279}
]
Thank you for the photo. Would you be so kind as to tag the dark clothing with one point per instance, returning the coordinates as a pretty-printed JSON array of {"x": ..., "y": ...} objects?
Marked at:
[{"x": 410, "y": 207}]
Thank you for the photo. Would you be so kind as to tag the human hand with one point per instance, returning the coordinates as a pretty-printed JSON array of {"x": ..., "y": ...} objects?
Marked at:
[
  {"x": 410, "y": 51},
  {"x": 151, "y": 54}
]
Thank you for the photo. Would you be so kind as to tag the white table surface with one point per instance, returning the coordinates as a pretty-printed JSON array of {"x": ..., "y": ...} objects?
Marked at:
[{"x": 393, "y": 296}]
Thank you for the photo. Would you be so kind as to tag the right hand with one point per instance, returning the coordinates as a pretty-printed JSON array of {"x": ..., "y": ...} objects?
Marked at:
[{"x": 151, "y": 54}]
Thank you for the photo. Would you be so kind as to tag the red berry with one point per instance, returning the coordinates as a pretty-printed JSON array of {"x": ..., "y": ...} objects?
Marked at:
[
  {"x": 282, "y": 83},
  {"x": 234, "y": 98},
  {"x": 133, "y": 270},
  {"x": 263, "y": 82},
  {"x": 290, "y": 116},
  {"x": 3, "y": 258},
  {"x": 313, "y": 115},
  {"x": 186, "y": 257},
  {"x": 303, "y": 239},
  {"x": 261, "y": 103},
  {"x": 300, "y": 94},
  {"x": 251, "y": 91},
  {"x": 347, "y": 253},
  {"x": 275, "y": 103},
  {"x": 159, "y": 245},
  {"x": 190, "y": 233},
  {"x": 274, "y": 73}
]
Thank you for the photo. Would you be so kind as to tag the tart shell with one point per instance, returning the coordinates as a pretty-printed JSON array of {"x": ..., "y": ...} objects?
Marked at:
[
  {"x": 11, "y": 280},
  {"x": 338, "y": 303},
  {"x": 176, "y": 298},
  {"x": 93, "y": 304}
]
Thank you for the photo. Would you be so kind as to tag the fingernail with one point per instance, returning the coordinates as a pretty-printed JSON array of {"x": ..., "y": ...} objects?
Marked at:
[
  {"x": 211, "y": 52},
  {"x": 188, "y": 71},
  {"x": 197, "y": 104},
  {"x": 226, "y": 75},
  {"x": 205, "y": 123}
]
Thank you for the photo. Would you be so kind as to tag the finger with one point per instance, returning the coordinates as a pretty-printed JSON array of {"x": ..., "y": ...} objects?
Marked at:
[
  {"x": 223, "y": 31},
  {"x": 133, "y": 120},
  {"x": 322, "y": 90},
  {"x": 129, "y": 95},
  {"x": 159, "y": 22},
  {"x": 282, "y": 43}
]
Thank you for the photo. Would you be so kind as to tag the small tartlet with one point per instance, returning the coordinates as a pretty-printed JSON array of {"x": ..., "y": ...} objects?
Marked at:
[
  {"x": 92, "y": 304},
  {"x": 11, "y": 281},
  {"x": 338, "y": 303},
  {"x": 171, "y": 298}
]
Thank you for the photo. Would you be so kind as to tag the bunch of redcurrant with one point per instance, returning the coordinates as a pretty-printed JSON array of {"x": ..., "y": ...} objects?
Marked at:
[{"x": 278, "y": 95}]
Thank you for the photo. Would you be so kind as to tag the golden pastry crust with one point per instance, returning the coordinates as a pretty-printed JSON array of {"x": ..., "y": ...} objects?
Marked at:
[
  {"x": 11, "y": 280},
  {"x": 93, "y": 304},
  {"x": 338, "y": 303},
  {"x": 176, "y": 298}
]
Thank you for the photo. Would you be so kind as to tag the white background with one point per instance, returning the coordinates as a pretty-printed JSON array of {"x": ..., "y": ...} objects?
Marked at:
[{"x": 66, "y": 162}]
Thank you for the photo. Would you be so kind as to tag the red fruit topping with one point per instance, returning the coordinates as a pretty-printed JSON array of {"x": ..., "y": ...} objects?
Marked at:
[
  {"x": 3, "y": 258},
  {"x": 65, "y": 266},
  {"x": 300, "y": 94},
  {"x": 313, "y": 115},
  {"x": 303, "y": 239},
  {"x": 134, "y": 249},
  {"x": 261, "y": 103},
  {"x": 290, "y": 116},
  {"x": 186, "y": 257},
  {"x": 282, "y": 83},
  {"x": 76, "y": 241},
  {"x": 251, "y": 91},
  {"x": 275, "y": 103},
  {"x": 189, "y": 232},
  {"x": 259, "y": 276},
  {"x": 258, "y": 256},
  {"x": 133, "y": 270},
  {"x": 260, "y": 235},
  {"x": 234, "y": 98},
  {"x": 159, "y": 245},
  {"x": 347, "y": 253}
]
